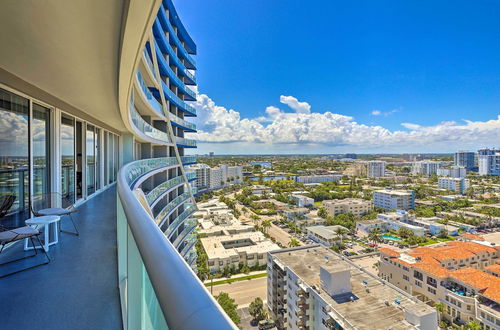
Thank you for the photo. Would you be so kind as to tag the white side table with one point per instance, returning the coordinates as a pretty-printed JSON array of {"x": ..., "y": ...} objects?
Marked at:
[{"x": 44, "y": 221}]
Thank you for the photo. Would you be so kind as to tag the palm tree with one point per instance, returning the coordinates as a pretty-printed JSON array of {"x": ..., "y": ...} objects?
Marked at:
[
  {"x": 340, "y": 232},
  {"x": 374, "y": 236},
  {"x": 293, "y": 243},
  {"x": 440, "y": 310},
  {"x": 265, "y": 225},
  {"x": 473, "y": 325}
]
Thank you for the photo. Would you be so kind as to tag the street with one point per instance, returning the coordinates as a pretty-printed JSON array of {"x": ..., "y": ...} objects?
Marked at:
[{"x": 244, "y": 292}]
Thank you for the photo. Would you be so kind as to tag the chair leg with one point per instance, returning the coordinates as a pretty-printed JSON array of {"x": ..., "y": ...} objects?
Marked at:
[
  {"x": 30, "y": 267},
  {"x": 74, "y": 226},
  {"x": 25, "y": 257}
]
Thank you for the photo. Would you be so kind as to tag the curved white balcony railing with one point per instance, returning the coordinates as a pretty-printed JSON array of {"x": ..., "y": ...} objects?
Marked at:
[
  {"x": 170, "y": 207},
  {"x": 160, "y": 289},
  {"x": 190, "y": 209},
  {"x": 146, "y": 167},
  {"x": 146, "y": 93},
  {"x": 148, "y": 130},
  {"x": 192, "y": 258},
  {"x": 149, "y": 63},
  {"x": 186, "y": 143}
]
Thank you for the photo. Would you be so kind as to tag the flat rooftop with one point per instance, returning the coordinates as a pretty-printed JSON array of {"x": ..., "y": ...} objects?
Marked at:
[
  {"x": 370, "y": 310},
  {"x": 251, "y": 243},
  {"x": 327, "y": 232}
]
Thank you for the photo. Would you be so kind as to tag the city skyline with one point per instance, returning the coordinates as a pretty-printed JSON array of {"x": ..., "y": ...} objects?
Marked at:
[{"x": 384, "y": 78}]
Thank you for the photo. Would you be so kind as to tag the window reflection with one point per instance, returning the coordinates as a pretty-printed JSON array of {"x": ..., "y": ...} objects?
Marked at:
[
  {"x": 14, "y": 146},
  {"x": 68, "y": 158},
  {"x": 41, "y": 149}
]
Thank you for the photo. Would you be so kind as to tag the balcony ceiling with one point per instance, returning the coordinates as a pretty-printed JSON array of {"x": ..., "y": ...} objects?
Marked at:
[{"x": 71, "y": 49}]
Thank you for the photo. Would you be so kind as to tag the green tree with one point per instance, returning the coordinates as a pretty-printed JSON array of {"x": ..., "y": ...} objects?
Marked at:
[
  {"x": 473, "y": 325},
  {"x": 293, "y": 243},
  {"x": 229, "y": 306},
  {"x": 256, "y": 309},
  {"x": 340, "y": 232},
  {"x": 440, "y": 310},
  {"x": 374, "y": 236},
  {"x": 265, "y": 225},
  {"x": 322, "y": 212}
]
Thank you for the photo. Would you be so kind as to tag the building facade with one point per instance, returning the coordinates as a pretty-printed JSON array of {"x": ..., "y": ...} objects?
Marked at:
[
  {"x": 458, "y": 185},
  {"x": 356, "y": 206},
  {"x": 376, "y": 169},
  {"x": 389, "y": 199},
  {"x": 489, "y": 164},
  {"x": 425, "y": 168},
  {"x": 318, "y": 178},
  {"x": 456, "y": 274},
  {"x": 465, "y": 159},
  {"x": 330, "y": 292}
]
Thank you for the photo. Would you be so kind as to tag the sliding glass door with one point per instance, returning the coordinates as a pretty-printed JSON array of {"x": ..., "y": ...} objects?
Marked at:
[
  {"x": 90, "y": 150},
  {"x": 68, "y": 140},
  {"x": 14, "y": 150},
  {"x": 41, "y": 149}
]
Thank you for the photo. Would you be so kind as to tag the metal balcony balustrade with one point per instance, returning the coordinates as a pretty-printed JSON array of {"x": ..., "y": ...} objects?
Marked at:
[{"x": 159, "y": 288}]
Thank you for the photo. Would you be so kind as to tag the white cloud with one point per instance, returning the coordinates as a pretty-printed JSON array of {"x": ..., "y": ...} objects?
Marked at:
[
  {"x": 292, "y": 102},
  {"x": 376, "y": 113},
  {"x": 287, "y": 131},
  {"x": 385, "y": 114}
]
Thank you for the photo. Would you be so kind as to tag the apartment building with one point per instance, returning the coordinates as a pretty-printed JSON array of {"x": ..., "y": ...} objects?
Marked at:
[
  {"x": 356, "y": 206},
  {"x": 460, "y": 275},
  {"x": 458, "y": 185},
  {"x": 231, "y": 250},
  {"x": 301, "y": 200},
  {"x": 376, "y": 169},
  {"x": 326, "y": 235},
  {"x": 453, "y": 172},
  {"x": 466, "y": 159},
  {"x": 390, "y": 199},
  {"x": 489, "y": 162},
  {"x": 356, "y": 169},
  {"x": 425, "y": 168},
  {"x": 318, "y": 178},
  {"x": 330, "y": 292},
  {"x": 213, "y": 178}
]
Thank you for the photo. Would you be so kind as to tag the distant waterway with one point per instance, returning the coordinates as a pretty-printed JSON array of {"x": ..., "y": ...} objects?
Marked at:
[{"x": 272, "y": 178}]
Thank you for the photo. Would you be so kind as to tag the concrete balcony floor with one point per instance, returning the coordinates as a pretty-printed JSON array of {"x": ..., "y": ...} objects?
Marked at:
[{"x": 79, "y": 288}]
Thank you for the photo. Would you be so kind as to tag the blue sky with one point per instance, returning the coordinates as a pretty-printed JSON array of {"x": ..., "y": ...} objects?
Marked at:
[{"x": 374, "y": 65}]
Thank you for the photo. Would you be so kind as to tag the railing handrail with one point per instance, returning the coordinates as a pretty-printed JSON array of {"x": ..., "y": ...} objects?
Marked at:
[{"x": 184, "y": 300}]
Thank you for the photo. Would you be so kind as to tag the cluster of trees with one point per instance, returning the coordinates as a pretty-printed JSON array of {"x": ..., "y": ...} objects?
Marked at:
[
  {"x": 231, "y": 204},
  {"x": 229, "y": 306},
  {"x": 441, "y": 206},
  {"x": 202, "y": 260},
  {"x": 490, "y": 211}
]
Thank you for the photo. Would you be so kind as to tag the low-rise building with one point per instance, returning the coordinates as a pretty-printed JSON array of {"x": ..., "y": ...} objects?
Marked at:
[
  {"x": 356, "y": 206},
  {"x": 313, "y": 288},
  {"x": 301, "y": 200},
  {"x": 366, "y": 226},
  {"x": 259, "y": 189},
  {"x": 453, "y": 172},
  {"x": 390, "y": 199},
  {"x": 248, "y": 248},
  {"x": 458, "y": 185},
  {"x": 456, "y": 274},
  {"x": 295, "y": 213},
  {"x": 326, "y": 235},
  {"x": 318, "y": 178}
]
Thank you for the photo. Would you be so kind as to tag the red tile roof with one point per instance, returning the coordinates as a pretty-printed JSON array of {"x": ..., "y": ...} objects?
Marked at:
[
  {"x": 486, "y": 284},
  {"x": 389, "y": 252},
  {"x": 472, "y": 237}
]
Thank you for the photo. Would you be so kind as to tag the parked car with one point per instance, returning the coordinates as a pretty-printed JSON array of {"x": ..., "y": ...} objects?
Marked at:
[{"x": 266, "y": 324}]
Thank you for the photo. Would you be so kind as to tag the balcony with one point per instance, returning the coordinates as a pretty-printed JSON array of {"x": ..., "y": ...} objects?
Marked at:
[
  {"x": 181, "y": 123},
  {"x": 188, "y": 160},
  {"x": 148, "y": 96},
  {"x": 185, "y": 143},
  {"x": 170, "y": 207},
  {"x": 166, "y": 25},
  {"x": 157, "y": 136},
  {"x": 159, "y": 288},
  {"x": 188, "y": 110},
  {"x": 162, "y": 189},
  {"x": 190, "y": 209},
  {"x": 79, "y": 288}
]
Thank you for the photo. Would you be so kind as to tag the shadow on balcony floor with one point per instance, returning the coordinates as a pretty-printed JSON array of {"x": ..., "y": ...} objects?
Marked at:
[{"x": 79, "y": 288}]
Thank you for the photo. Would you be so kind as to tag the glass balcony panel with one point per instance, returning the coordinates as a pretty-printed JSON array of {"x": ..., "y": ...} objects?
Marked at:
[
  {"x": 163, "y": 187},
  {"x": 141, "y": 167},
  {"x": 190, "y": 209},
  {"x": 185, "y": 142},
  {"x": 148, "y": 95},
  {"x": 177, "y": 201},
  {"x": 146, "y": 128}
]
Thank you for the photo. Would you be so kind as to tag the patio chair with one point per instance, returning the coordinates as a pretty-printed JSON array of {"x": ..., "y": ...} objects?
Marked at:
[
  {"x": 54, "y": 204},
  {"x": 11, "y": 235}
]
